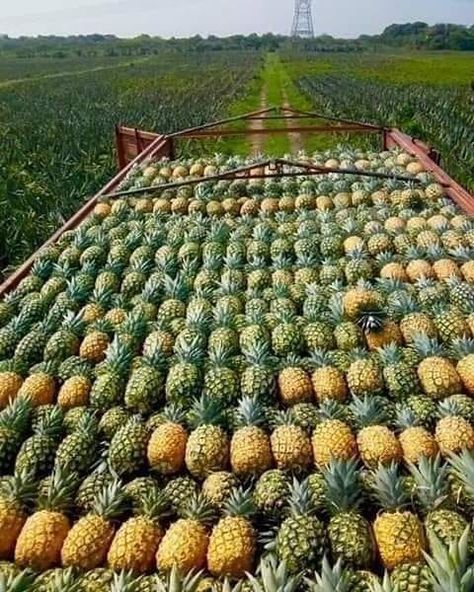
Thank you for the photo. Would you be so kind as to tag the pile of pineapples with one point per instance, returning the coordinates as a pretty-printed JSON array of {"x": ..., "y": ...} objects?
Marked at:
[{"x": 259, "y": 385}]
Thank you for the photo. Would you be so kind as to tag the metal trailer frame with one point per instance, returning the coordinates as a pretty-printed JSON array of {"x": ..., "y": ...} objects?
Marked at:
[{"x": 136, "y": 146}]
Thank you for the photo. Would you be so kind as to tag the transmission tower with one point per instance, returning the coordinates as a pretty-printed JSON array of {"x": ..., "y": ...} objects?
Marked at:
[{"x": 302, "y": 20}]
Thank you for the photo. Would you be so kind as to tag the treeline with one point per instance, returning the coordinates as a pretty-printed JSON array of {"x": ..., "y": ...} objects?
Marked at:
[
  {"x": 422, "y": 36},
  {"x": 411, "y": 35}
]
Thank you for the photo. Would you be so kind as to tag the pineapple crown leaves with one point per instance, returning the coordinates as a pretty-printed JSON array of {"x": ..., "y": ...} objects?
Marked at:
[
  {"x": 155, "y": 505},
  {"x": 176, "y": 287},
  {"x": 110, "y": 501},
  {"x": 450, "y": 568},
  {"x": 118, "y": 357},
  {"x": 87, "y": 424},
  {"x": 59, "y": 494},
  {"x": 125, "y": 581},
  {"x": 250, "y": 412},
  {"x": 198, "y": 316},
  {"x": 463, "y": 255},
  {"x": 342, "y": 485},
  {"x": 189, "y": 351},
  {"x": 101, "y": 326},
  {"x": 431, "y": 482},
  {"x": 134, "y": 324},
  {"x": 258, "y": 353},
  {"x": 174, "y": 413},
  {"x": 391, "y": 354},
  {"x": 206, "y": 411},
  {"x": 17, "y": 582},
  {"x": 369, "y": 410},
  {"x": 405, "y": 417},
  {"x": 199, "y": 507},
  {"x": 462, "y": 346},
  {"x": 73, "y": 323},
  {"x": 223, "y": 315},
  {"x": 51, "y": 423},
  {"x": 19, "y": 487},
  {"x": 319, "y": 359},
  {"x": 274, "y": 576},
  {"x": 154, "y": 357},
  {"x": 462, "y": 465},
  {"x": 300, "y": 502},
  {"x": 65, "y": 580},
  {"x": 17, "y": 414},
  {"x": 240, "y": 503},
  {"x": 175, "y": 581},
  {"x": 385, "y": 586},
  {"x": 330, "y": 579},
  {"x": 427, "y": 347},
  {"x": 331, "y": 409},
  {"x": 388, "y": 487}
]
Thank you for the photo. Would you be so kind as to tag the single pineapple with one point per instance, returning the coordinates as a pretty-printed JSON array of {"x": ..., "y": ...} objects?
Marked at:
[
  {"x": 333, "y": 440},
  {"x": 398, "y": 532},
  {"x": 44, "y": 532},
  {"x": 328, "y": 381},
  {"x": 136, "y": 541},
  {"x": 233, "y": 541},
  {"x": 294, "y": 386},
  {"x": 350, "y": 534},
  {"x": 437, "y": 374},
  {"x": 128, "y": 447},
  {"x": 185, "y": 543},
  {"x": 167, "y": 445},
  {"x": 87, "y": 543},
  {"x": 290, "y": 444},
  {"x": 300, "y": 540},
  {"x": 416, "y": 441},
  {"x": 218, "y": 486},
  {"x": 250, "y": 450},
  {"x": 207, "y": 448}
]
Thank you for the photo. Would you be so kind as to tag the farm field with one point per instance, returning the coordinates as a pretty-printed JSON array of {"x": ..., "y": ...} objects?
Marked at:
[
  {"x": 428, "y": 96},
  {"x": 57, "y": 136}
]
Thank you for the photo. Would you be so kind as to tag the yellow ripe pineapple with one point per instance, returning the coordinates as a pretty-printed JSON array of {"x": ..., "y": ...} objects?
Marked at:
[
  {"x": 184, "y": 545},
  {"x": 446, "y": 268},
  {"x": 398, "y": 532},
  {"x": 39, "y": 388},
  {"x": 74, "y": 392},
  {"x": 207, "y": 448},
  {"x": 351, "y": 243},
  {"x": 437, "y": 374},
  {"x": 233, "y": 541},
  {"x": 42, "y": 536},
  {"x": 454, "y": 433},
  {"x": 290, "y": 444},
  {"x": 393, "y": 270},
  {"x": 328, "y": 381},
  {"x": 333, "y": 440},
  {"x": 217, "y": 487},
  {"x": 359, "y": 299},
  {"x": 167, "y": 445},
  {"x": 10, "y": 383},
  {"x": 376, "y": 443},
  {"x": 412, "y": 320},
  {"x": 294, "y": 386},
  {"x": 135, "y": 543},
  {"x": 364, "y": 376},
  {"x": 102, "y": 210},
  {"x": 416, "y": 441},
  {"x": 96, "y": 341},
  {"x": 88, "y": 541},
  {"x": 250, "y": 450},
  {"x": 16, "y": 493},
  {"x": 464, "y": 350}
]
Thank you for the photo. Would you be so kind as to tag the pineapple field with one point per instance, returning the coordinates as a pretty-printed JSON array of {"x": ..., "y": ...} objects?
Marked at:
[{"x": 249, "y": 384}]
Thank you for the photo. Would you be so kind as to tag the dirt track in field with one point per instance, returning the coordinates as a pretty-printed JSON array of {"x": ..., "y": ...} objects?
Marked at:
[
  {"x": 296, "y": 141},
  {"x": 257, "y": 141}
]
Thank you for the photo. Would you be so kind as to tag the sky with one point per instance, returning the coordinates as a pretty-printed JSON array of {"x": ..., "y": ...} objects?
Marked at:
[{"x": 183, "y": 18}]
